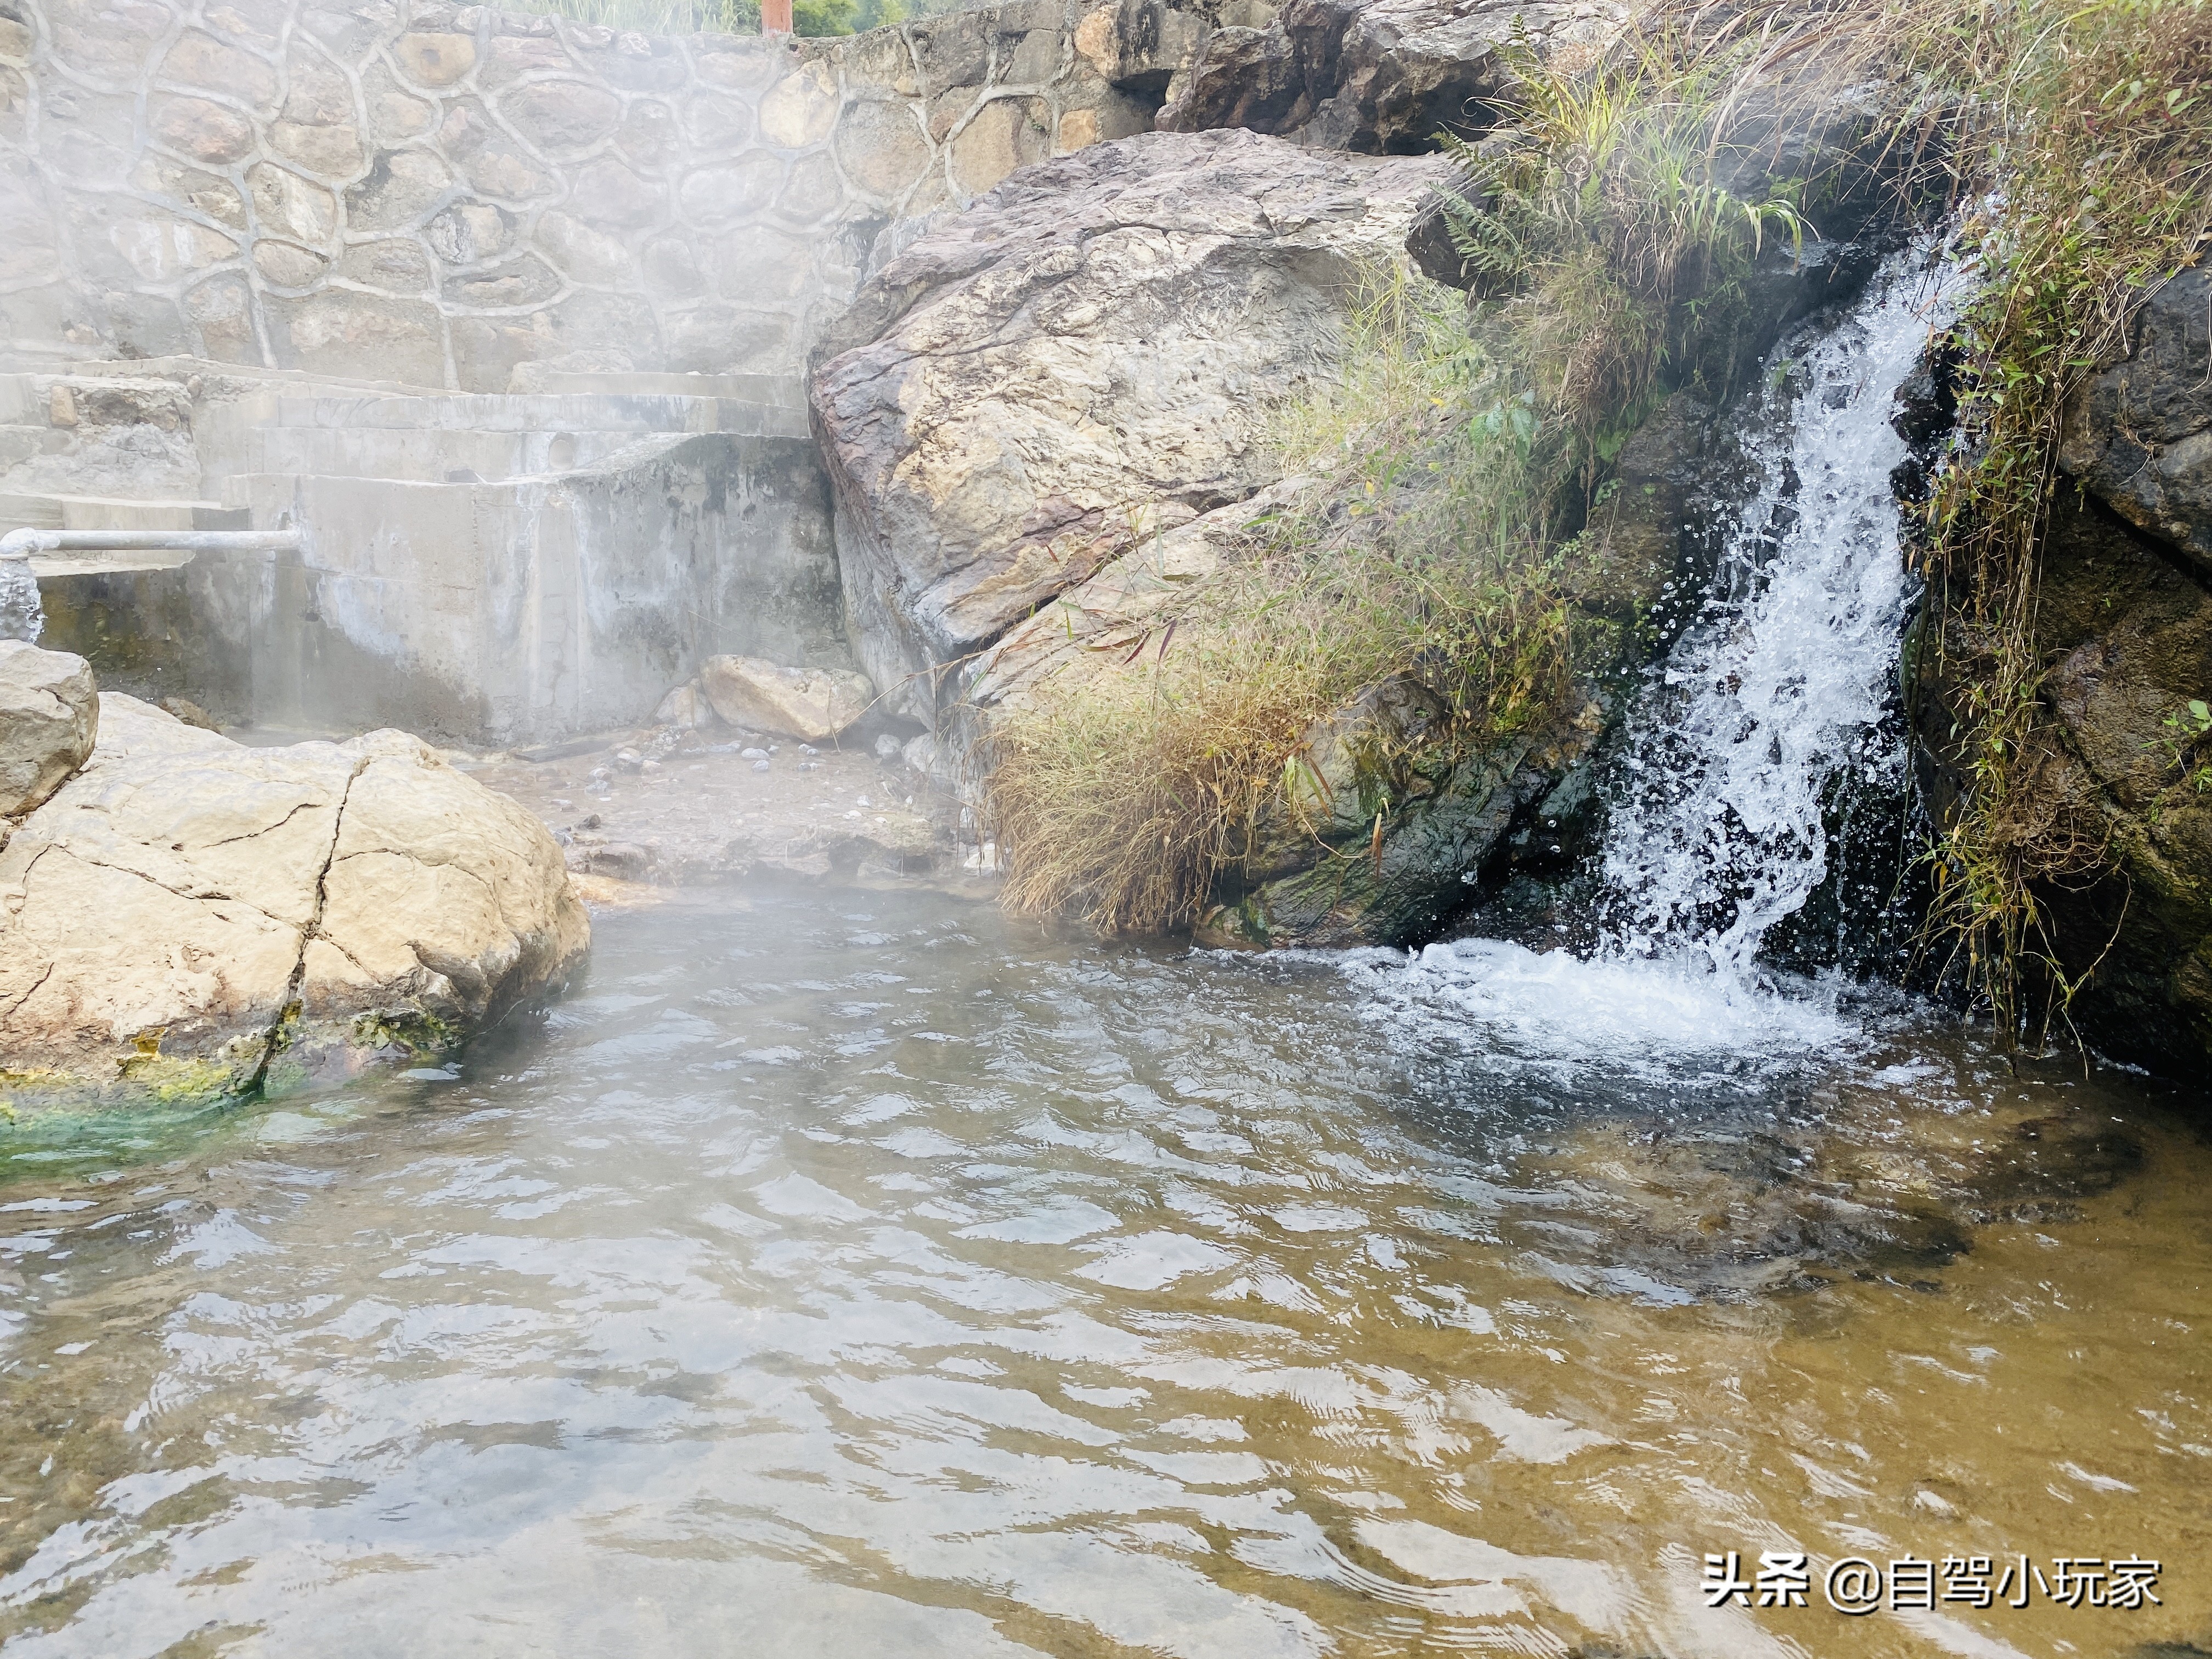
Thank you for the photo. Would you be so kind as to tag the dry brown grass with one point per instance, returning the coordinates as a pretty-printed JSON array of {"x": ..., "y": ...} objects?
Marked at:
[{"x": 1123, "y": 795}]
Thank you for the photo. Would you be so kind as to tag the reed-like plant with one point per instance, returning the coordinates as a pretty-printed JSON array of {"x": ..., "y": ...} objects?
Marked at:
[{"x": 1601, "y": 221}]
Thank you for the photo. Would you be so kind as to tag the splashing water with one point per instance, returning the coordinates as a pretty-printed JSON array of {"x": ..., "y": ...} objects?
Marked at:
[
  {"x": 22, "y": 615},
  {"x": 1774, "y": 696},
  {"x": 1778, "y": 692}
]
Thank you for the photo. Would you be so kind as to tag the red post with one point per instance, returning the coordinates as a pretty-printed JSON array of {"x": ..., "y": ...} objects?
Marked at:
[{"x": 775, "y": 16}]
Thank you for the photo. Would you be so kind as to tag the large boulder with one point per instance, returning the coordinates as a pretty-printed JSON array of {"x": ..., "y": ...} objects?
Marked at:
[
  {"x": 2139, "y": 434},
  {"x": 1379, "y": 76},
  {"x": 1083, "y": 361},
  {"x": 1102, "y": 624},
  {"x": 191, "y": 918},
  {"x": 49, "y": 716},
  {"x": 1391, "y": 825}
]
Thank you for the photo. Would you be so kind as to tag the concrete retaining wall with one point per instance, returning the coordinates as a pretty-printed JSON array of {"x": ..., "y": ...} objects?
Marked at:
[{"x": 487, "y": 613}]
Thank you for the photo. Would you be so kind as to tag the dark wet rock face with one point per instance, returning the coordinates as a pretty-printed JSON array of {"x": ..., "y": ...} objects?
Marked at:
[
  {"x": 2139, "y": 435},
  {"x": 1382, "y": 847},
  {"x": 2124, "y": 625},
  {"x": 1378, "y": 77}
]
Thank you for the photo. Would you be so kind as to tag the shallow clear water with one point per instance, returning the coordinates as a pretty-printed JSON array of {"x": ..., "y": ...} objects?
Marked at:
[{"x": 854, "y": 1274}]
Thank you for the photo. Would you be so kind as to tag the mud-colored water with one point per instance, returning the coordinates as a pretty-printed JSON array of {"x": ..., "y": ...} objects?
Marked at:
[{"x": 863, "y": 1275}]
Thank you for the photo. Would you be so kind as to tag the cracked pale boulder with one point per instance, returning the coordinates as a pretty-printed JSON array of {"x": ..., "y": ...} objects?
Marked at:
[
  {"x": 812, "y": 704},
  {"x": 190, "y": 917},
  {"x": 49, "y": 712},
  {"x": 1087, "y": 358},
  {"x": 1122, "y": 618}
]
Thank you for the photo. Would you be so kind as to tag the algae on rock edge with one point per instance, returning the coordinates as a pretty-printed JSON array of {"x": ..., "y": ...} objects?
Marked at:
[{"x": 188, "y": 918}]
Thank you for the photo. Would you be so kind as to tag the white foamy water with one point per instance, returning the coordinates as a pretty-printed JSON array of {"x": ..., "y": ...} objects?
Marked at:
[
  {"x": 1638, "y": 1020},
  {"x": 1779, "y": 688},
  {"x": 22, "y": 615}
]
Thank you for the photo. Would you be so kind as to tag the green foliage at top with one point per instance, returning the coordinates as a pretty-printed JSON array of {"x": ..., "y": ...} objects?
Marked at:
[
  {"x": 2090, "y": 148},
  {"x": 1612, "y": 256}
]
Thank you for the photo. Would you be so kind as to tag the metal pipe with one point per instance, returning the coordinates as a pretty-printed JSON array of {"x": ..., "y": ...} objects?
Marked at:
[{"x": 23, "y": 543}]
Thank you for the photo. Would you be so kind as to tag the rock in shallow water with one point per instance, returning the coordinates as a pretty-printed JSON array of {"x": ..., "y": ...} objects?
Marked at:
[
  {"x": 192, "y": 918},
  {"x": 49, "y": 716}
]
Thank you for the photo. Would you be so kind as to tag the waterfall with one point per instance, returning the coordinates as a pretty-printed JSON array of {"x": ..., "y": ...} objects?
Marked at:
[
  {"x": 1771, "y": 698},
  {"x": 1776, "y": 693},
  {"x": 22, "y": 615}
]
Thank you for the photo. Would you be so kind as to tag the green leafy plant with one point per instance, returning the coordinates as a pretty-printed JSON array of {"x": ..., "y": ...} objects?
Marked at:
[
  {"x": 2187, "y": 728},
  {"x": 1607, "y": 255}
]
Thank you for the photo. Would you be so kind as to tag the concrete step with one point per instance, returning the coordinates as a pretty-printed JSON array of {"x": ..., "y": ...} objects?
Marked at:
[
  {"x": 780, "y": 391},
  {"x": 431, "y": 440},
  {"x": 553, "y": 412},
  {"x": 224, "y": 376},
  {"x": 54, "y": 571},
  {"x": 39, "y": 512},
  {"x": 420, "y": 454}
]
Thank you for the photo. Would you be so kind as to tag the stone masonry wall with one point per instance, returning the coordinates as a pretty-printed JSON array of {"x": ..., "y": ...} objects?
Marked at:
[{"x": 408, "y": 191}]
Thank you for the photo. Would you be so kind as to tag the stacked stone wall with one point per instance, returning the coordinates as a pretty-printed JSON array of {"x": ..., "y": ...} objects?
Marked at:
[{"x": 461, "y": 197}]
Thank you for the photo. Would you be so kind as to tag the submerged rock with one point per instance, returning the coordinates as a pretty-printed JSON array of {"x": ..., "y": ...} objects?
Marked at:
[
  {"x": 811, "y": 704},
  {"x": 49, "y": 717},
  {"x": 1081, "y": 361},
  {"x": 188, "y": 917}
]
